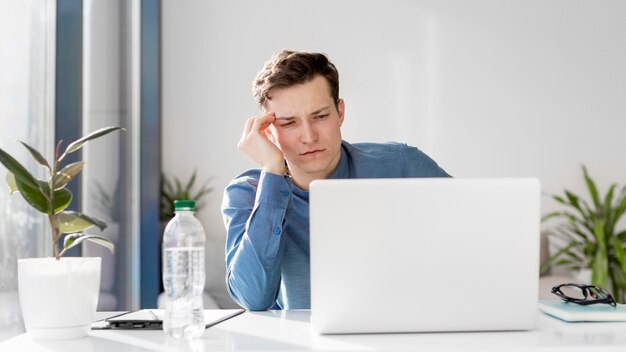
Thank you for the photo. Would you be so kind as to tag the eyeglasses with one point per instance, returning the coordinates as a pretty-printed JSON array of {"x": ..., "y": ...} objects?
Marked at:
[{"x": 583, "y": 294}]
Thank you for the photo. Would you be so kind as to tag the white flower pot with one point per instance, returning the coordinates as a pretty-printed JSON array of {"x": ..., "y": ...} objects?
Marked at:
[{"x": 58, "y": 297}]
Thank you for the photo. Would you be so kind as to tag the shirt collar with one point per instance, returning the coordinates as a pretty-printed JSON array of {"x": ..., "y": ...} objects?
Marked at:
[{"x": 343, "y": 167}]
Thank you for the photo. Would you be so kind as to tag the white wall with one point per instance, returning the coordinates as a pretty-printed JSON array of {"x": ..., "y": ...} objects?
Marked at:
[{"x": 487, "y": 88}]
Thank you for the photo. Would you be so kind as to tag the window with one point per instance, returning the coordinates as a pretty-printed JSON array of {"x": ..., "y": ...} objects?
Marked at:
[{"x": 26, "y": 114}]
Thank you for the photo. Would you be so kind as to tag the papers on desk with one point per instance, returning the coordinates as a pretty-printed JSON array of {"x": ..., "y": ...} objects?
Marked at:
[
  {"x": 151, "y": 319},
  {"x": 572, "y": 312}
]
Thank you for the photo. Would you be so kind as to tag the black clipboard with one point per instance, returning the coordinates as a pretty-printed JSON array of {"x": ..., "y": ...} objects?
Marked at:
[
  {"x": 139, "y": 319},
  {"x": 146, "y": 319}
]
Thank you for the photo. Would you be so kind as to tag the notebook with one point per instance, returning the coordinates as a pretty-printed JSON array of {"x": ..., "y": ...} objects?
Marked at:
[
  {"x": 418, "y": 255},
  {"x": 572, "y": 312}
]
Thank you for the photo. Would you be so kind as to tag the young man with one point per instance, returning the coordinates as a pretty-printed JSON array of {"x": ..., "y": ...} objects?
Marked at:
[{"x": 296, "y": 140}]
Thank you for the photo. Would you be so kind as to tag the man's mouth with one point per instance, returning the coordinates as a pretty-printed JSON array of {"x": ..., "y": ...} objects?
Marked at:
[{"x": 310, "y": 152}]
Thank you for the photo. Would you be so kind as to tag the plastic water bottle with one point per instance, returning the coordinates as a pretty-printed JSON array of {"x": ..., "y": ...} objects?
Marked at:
[{"x": 183, "y": 273}]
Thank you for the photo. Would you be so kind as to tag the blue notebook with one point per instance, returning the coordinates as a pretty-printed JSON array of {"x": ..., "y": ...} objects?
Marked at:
[{"x": 572, "y": 312}]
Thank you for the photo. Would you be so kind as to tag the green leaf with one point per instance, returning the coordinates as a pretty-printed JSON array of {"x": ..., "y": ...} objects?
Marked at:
[
  {"x": 618, "y": 282},
  {"x": 166, "y": 185},
  {"x": 34, "y": 196},
  {"x": 620, "y": 254},
  {"x": 599, "y": 232},
  {"x": 609, "y": 197},
  {"x": 39, "y": 199},
  {"x": 559, "y": 199},
  {"x": 63, "y": 177},
  {"x": 74, "y": 239},
  {"x": 179, "y": 188},
  {"x": 62, "y": 199},
  {"x": 564, "y": 262},
  {"x": 574, "y": 256},
  {"x": 576, "y": 232},
  {"x": 11, "y": 182},
  {"x": 18, "y": 170},
  {"x": 575, "y": 202},
  {"x": 76, "y": 145},
  {"x": 621, "y": 205},
  {"x": 573, "y": 219},
  {"x": 600, "y": 268},
  {"x": 38, "y": 157},
  {"x": 573, "y": 199},
  {"x": 191, "y": 182},
  {"x": 202, "y": 192},
  {"x": 553, "y": 259},
  {"x": 591, "y": 185},
  {"x": 619, "y": 275},
  {"x": 548, "y": 216},
  {"x": 101, "y": 241},
  {"x": 72, "y": 222}
]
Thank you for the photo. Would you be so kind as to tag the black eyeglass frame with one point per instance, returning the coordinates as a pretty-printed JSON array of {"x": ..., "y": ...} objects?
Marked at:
[{"x": 588, "y": 291}]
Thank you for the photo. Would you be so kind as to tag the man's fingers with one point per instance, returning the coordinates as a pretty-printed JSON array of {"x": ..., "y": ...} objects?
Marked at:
[
  {"x": 257, "y": 123},
  {"x": 254, "y": 127},
  {"x": 262, "y": 122},
  {"x": 248, "y": 127}
]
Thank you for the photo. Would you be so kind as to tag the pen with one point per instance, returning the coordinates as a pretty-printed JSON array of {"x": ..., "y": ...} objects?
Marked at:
[{"x": 213, "y": 323}]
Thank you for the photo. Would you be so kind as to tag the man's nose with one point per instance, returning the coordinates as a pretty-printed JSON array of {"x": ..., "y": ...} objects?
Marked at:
[{"x": 309, "y": 134}]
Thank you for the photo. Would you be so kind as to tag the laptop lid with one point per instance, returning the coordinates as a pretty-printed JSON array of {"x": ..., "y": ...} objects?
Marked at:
[{"x": 424, "y": 254}]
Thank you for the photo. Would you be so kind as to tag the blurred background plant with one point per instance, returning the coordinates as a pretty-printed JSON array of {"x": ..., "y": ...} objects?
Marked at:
[
  {"x": 587, "y": 237},
  {"x": 106, "y": 203},
  {"x": 173, "y": 189}
]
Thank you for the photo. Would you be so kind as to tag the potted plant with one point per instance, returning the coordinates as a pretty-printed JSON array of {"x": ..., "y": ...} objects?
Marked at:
[
  {"x": 589, "y": 236},
  {"x": 58, "y": 296}
]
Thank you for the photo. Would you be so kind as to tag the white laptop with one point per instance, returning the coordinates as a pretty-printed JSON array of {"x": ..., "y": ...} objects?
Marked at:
[{"x": 424, "y": 254}]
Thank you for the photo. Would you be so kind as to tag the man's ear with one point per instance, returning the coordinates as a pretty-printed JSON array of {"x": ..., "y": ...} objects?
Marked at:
[{"x": 341, "y": 108}]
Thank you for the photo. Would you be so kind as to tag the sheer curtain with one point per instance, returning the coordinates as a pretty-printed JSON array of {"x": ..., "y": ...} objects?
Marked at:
[{"x": 26, "y": 113}]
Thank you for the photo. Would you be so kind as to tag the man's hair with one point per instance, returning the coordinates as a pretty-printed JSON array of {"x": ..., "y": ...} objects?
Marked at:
[{"x": 289, "y": 68}]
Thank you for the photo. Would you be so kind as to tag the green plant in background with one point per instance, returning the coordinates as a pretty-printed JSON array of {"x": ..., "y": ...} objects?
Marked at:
[
  {"x": 50, "y": 196},
  {"x": 590, "y": 237},
  {"x": 171, "y": 192},
  {"x": 107, "y": 204}
]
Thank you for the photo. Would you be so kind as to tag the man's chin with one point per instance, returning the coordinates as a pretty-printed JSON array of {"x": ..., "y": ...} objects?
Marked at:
[{"x": 317, "y": 169}]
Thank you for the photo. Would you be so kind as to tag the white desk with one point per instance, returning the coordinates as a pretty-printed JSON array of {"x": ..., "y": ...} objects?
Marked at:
[{"x": 290, "y": 330}]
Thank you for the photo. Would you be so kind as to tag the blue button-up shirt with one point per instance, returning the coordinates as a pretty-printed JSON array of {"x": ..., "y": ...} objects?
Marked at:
[{"x": 267, "y": 223}]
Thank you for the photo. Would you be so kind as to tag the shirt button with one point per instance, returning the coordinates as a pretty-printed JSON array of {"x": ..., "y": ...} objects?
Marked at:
[
  {"x": 277, "y": 231},
  {"x": 285, "y": 193}
]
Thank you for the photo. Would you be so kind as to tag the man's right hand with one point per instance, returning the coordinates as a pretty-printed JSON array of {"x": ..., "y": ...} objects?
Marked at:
[{"x": 257, "y": 145}]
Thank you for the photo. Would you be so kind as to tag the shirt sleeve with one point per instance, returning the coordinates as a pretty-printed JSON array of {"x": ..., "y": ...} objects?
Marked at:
[
  {"x": 421, "y": 165},
  {"x": 254, "y": 218}
]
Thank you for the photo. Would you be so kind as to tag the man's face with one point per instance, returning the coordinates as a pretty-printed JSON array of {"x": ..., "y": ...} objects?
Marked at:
[{"x": 307, "y": 128}]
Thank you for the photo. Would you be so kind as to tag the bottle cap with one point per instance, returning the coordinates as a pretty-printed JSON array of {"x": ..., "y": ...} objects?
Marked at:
[{"x": 184, "y": 205}]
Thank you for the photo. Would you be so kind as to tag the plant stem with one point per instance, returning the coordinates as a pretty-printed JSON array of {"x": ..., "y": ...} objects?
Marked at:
[
  {"x": 51, "y": 215},
  {"x": 55, "y": 235}
]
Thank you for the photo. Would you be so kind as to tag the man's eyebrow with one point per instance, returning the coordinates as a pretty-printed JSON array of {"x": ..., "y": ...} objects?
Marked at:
[
  {"x": 320, "y": 110},
  {"x": 311, "y": 114}
]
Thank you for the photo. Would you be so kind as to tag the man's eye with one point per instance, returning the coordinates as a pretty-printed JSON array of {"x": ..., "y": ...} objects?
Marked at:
[
  {"x": 286, "y": 124},
  {"x": 320, "y": 117}
]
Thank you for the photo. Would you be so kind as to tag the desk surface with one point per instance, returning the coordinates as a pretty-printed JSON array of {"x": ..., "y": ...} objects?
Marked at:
[{"x": 290, "y": 330}]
